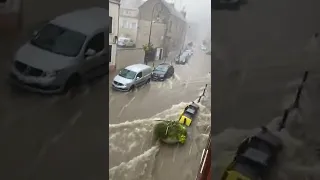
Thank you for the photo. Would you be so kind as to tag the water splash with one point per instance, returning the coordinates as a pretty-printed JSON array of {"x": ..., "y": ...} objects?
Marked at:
[
  {"x": 297, "y": 160},
  {"x": 134, "y": 154}
]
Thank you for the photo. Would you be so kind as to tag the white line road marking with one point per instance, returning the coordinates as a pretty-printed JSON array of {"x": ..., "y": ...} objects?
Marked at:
[
  {"x": 74, "y": 119},
  {"x": 53, "y": 140},
  {"x": 174, "y": 153},
  {"x": 125, "y": 106},
  {"x": 161, "y": 164},
  {"x": 111, "y": 100},
  {"x": 190, "y": 149}
]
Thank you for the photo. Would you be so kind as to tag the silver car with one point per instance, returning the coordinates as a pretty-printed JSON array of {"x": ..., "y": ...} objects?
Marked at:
[
  {"x": 68, "y": 50},
  {"x": 183, "y": 58},
  {"x": 131, "y": 77}
]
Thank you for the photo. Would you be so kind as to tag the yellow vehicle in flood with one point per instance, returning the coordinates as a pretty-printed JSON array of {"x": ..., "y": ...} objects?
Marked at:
[
  {"x": 188, "y": 114},
  {"x": 234, "y": 175},
  {"x": 255, "y": 157}
]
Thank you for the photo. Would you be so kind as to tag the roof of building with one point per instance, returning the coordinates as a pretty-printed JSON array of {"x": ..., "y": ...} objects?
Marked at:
[
  {"x": 137, "y": 67},
  {"x": 129, "y": 8},
  {"x": 85, "y": 21},
  {"x": 115, "y": 1},
  {"x": 173, "y": 10}
]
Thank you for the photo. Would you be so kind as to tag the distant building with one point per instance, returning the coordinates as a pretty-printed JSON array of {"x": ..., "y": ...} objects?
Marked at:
[
  {"x": 169, "y": 27},
  {"x": 128, "y": 23},
  {"x": 114, "y": 10},
  {"x": 131, "y": 3}
]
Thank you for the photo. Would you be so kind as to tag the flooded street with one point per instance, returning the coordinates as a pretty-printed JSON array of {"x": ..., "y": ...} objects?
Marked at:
[
  {"x": 132, "y": 151},
  {"x": 262, "y": 54}
]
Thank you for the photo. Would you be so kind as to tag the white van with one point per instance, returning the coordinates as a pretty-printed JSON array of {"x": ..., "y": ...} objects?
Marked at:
[
  {"x": 68, "y": 50},
  {"x": 132, "y": 77}
]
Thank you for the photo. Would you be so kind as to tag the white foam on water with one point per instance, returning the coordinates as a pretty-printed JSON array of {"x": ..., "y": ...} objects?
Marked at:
[
  {"x": 177, "y": 77},
  {"x": 132, "y": 151},
  {"x": 297, "y": 161},
  {"x": 139, "y": 168}
]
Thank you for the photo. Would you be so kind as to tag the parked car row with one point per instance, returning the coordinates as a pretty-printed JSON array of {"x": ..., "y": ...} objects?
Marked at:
[
  {"x": 136, "y": 75},
  {"x": 125, "y": 42},
  {"x": 184, "y": 57}
]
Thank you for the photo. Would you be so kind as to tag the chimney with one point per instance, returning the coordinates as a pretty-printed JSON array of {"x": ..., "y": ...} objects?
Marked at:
[
  {"x": 184, "y": 13},
  {"x": 171, "y": 4}
]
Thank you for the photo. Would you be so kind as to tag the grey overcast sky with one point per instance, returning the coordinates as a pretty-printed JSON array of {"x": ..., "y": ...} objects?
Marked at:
[
  {"x": 197, "y": 10},
  {"x": 199, "y": 14}
]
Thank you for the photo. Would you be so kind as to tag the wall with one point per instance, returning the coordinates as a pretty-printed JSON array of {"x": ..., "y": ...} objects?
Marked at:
[
  {"x": 128, "y": 31},
  {"x": 178, "y": 28},
  {"x": 114, "y": 13},
  {"x": 145, "y": 10},
  {"x": 157, "y": 34},
  {"x": 129, "y": 12},
  {"x": 127, "y": 57},
  {"x": 177, "y": 32}
]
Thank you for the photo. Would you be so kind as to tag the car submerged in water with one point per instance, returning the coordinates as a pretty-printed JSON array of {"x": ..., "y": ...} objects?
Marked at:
[
  {"x": 183, "y": 58},
  {"x": 255, "y": 157},
  {"x": 188, "y": 114},
  {"x": 162, "y": 72}
]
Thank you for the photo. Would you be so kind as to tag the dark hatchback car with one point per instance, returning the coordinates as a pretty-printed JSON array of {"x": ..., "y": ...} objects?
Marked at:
[{"x": 162, "y": 72}]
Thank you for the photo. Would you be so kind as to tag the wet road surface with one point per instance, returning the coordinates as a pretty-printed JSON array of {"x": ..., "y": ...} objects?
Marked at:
[
  {"x": 158, "y": 96},
  {"x": 133, "y": 153},
  {"x": 260, "y": 54},
  {"x": 52, "y": 137}
]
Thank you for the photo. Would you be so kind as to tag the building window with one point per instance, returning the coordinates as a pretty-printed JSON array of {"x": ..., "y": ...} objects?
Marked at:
[
  {"x": 127, "y": 12},
  {"x": 134, "y": 25},
  {"x": 110, "y": 52},
  {"x": 110, "y": 24},
  {"x": 125, "y": 24}
]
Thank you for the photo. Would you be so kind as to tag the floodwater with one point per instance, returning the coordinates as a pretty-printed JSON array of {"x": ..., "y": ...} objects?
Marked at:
[
  {"x": 298, "y": 161},
  {"x": 135, "y": 156},
  {"x": 133, "y": 153},
  {"x": 300, "y": 157}
]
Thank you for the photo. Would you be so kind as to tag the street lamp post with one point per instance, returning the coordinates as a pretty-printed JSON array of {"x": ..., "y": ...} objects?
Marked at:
[
  {"x": 151, "y": 24},
  {"x": 165, "y": 38}
]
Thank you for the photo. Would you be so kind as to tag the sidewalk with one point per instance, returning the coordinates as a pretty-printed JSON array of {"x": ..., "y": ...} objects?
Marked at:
[{"x": 169, "y": 59}]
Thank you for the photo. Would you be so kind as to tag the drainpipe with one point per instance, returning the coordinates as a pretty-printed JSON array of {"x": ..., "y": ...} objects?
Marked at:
[{"x": 115, "y": 44}]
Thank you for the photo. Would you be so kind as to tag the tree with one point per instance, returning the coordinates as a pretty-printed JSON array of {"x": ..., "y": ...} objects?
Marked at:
[
  {"x": 148, "y": 52},
  {"x": 148, "y": 47},
  {"x": 170, "y": 132}
]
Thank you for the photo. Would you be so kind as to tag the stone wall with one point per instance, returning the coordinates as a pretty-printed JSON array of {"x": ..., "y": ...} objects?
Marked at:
[
  {"x": 126, "y": 57},
  {"x": 157, "y": 34}
]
